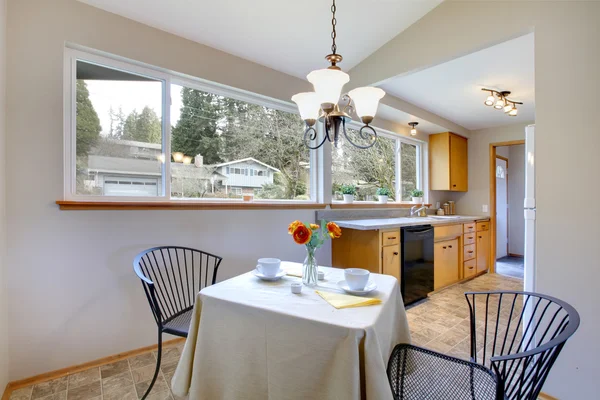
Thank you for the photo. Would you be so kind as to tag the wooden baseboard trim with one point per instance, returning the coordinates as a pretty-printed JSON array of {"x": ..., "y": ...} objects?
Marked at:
[
  {"x": 59, "y": 373},
  {"x": 544, "y": 396},
  {"x": 516, "y": 255}
]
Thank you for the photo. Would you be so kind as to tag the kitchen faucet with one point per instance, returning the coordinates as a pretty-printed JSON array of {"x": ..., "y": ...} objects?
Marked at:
[{"x": 414, "y": 210}]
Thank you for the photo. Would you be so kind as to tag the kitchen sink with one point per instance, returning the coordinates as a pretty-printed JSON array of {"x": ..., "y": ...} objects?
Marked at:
[{"x": 444, "y": 216}]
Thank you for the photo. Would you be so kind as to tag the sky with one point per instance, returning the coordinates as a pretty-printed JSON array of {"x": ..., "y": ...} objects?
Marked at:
[{"x": 130, "y": 95}]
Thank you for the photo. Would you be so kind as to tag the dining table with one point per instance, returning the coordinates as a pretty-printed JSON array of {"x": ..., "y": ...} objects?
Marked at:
[{"x": 253, "y": 339}]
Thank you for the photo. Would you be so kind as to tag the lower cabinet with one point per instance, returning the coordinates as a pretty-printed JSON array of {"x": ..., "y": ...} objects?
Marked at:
[
  {"x": 391, "y": 261},
  {"x": 446, "y": 263},
  {"x": 483, "y": 250}
]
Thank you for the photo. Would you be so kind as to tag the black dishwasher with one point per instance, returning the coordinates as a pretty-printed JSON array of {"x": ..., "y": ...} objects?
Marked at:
[{"x": 416, "y": 271}]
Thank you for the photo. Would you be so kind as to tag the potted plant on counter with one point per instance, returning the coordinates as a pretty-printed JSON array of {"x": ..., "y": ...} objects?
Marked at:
[
  {"x": 417, "y": 196},
  {"x": 348, "y": 191},
  {"x": 382, "y": 194}
]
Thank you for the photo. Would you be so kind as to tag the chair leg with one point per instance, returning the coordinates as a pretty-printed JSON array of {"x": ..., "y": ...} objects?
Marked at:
[{"x": 158, "y": 358}]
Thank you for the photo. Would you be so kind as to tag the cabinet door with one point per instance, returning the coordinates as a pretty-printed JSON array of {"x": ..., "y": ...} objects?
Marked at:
[
  {"x": 446, "y": 258},
  {"x": 459, "y": 164},
  {"x": 391, "y": 261},
  {"x": 439, "y": 161},
  {"x": 483, "y": 250}
]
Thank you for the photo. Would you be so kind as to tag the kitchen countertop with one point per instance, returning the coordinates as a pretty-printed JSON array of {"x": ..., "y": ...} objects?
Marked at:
[{"x": 389, "y": 223}]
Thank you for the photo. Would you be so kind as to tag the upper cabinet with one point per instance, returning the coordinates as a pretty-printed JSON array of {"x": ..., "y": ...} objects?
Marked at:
[{"x": 448, "y": 162}]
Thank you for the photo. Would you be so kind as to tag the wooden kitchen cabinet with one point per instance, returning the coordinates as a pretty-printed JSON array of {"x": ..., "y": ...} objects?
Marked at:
[
  {"x": 483, "y": 251},
  {"x": 377, "y": 251},
  {"x": 448, "y": 162},
  {"x": 446, "y": 263},
  {"x": 391, "y": 261}
]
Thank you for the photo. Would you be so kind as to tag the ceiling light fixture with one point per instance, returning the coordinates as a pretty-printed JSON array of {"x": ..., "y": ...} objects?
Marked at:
[
  {"x": 413, "y": 130},
  {"x": 501, "y": 102},
  {"x": 322, "y": 104}
]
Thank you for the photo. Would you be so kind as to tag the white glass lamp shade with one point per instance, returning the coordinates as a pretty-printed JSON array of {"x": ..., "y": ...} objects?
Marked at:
[
  {"x": 490, "y": 100},
  {"x": 308, "y": 105},
  {"x": 328, "y": 84},
  {"x": 178, "y": 157},
  {"x": 508, "y": 107},
  {"x": 366, "y": 100},
  {"x": 513, "y": 112},
  {"x": 499, "y": 104},
  {"x": 413, "y": 131}
]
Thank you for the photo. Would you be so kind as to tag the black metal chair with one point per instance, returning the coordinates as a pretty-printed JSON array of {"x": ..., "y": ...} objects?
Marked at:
[
  {"x": 171, "y": 277},
  {"x": 517, "y": 334}
]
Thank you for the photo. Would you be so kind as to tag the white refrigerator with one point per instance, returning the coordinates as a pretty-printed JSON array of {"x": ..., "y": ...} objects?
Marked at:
[{"x": 530, "y": 209}]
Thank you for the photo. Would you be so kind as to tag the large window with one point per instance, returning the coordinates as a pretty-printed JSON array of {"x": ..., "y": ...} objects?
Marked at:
[
  {"x": 375, "y": 167},
  {"x": 139, "y": 133}
]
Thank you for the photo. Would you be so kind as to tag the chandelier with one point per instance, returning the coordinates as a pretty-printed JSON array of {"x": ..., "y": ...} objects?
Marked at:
[
  {"x": 500, "y": 102},
  {"x": 322, "y": 104}
]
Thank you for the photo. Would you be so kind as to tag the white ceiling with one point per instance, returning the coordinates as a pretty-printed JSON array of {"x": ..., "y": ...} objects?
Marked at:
[
  {"x": 453, "y": 90},
  {"x": 402, "y": 118},
  {"x": 289, "y": 36}
]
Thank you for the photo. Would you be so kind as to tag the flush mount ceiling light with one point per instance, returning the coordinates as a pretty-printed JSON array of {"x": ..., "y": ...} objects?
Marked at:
[
  {"x": 501, "y": 102},
  {"x": 413, "y": 130},
  {"x": 322, "y": 104}
]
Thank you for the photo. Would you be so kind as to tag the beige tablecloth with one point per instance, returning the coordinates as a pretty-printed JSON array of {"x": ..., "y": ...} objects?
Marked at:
[{"x": 251, "y": 339}]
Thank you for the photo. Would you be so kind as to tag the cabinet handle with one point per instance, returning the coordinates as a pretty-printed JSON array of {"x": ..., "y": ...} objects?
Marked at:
[
  {"x": 453, "y": 185},
  {"x": 470, "y": 238},
  {"x": 480, "y": 237},
  {"x": 395, "y": 253},
  {"x": 470, "y": 267},
  {"x": 392, "y": 238},
  {"x": 470, "y": 251},
  {"x": 444, "y": 247},
  {"x": 449, "y": 247}
]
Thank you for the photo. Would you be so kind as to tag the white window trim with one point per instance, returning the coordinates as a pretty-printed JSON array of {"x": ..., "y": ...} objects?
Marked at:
[{"x": 75, "y": 52}]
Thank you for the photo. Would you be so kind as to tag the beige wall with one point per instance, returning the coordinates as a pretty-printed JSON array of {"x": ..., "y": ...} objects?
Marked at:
[
  {"x": 471, "y": 202},
  {"x": 567, "y": 61},
  {"x": 3, "y": 264},
  {"x": 516, "y": 195}
]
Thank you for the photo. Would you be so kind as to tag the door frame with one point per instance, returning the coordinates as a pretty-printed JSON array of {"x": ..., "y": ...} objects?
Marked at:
[
  {"x": 493, "y": 197},
  {"x": 508, "y": 210}
]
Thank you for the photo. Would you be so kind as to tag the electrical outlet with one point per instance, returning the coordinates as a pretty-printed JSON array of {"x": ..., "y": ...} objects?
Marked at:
[{"x": 484, "y": 208}]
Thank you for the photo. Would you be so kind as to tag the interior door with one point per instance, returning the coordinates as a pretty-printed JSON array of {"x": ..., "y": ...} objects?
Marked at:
[{"x": 501, "y": 208}]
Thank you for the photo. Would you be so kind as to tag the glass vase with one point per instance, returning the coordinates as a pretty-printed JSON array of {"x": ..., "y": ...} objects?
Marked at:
[{"x": 310, "y": 268}]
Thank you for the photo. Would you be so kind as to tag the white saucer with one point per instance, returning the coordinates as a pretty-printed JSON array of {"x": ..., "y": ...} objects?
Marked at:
[
  {"x": 277, "y": 277},
  {"x": 368, "y": 289}
]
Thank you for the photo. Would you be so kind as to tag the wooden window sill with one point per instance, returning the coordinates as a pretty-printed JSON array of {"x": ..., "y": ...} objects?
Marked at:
[
  {"x": 368, "y": 204},
  {"x": 185, "y": 205}
]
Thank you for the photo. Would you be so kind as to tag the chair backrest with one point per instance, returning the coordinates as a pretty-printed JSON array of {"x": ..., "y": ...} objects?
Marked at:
[
  {"x": 172, "y": 276},
  {"x": 519, "y": 335}
]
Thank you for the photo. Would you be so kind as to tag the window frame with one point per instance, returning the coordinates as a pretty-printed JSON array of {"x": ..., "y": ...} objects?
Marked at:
[{"x": 74, "y": 53}]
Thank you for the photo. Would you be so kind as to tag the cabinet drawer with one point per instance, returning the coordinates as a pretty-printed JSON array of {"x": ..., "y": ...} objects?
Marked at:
[
  {"x": 470, "y": 268},
  {"x": 390, "y": 238},
  {"x": 447, "y": 232},
  {"x": 469, "y": 252},
  {"x": 483, "y": 226},
  {"x": 468, "y": 238},
  {"x": 469, "y": 227}
]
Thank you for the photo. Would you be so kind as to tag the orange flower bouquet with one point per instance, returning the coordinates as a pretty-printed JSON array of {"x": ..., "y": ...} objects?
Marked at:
[{"x": 312, "y": 236}]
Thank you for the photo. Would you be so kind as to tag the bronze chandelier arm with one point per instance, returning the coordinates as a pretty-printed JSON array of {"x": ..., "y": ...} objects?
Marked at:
[
  {"x": 363, "y": 135},
  {"x": 313, "y": 136}
]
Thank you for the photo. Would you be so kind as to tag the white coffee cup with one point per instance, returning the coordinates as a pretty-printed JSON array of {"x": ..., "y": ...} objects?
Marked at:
[
  {"x": 268, "y": 266},
  {"x": 356, "y": 278}
]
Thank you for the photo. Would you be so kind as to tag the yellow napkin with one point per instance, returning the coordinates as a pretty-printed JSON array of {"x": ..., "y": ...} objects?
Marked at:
[
  {"x": 294, "y": 272},
  {"x": 345, "y": 301}
]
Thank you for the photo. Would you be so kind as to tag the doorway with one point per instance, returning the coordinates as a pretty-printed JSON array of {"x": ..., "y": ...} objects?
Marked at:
[{"x": 507, "y": 187}]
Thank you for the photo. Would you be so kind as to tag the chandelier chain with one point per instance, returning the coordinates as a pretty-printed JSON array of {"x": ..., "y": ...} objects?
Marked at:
[{"x": 333, "y": 24}]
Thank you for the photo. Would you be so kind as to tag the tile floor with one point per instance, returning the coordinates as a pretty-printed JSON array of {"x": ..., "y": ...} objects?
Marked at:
[
  {"x": 123, "y": 380},
  {"x": 511, "y": 266},
  {"x": 441, "y": 322}
]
